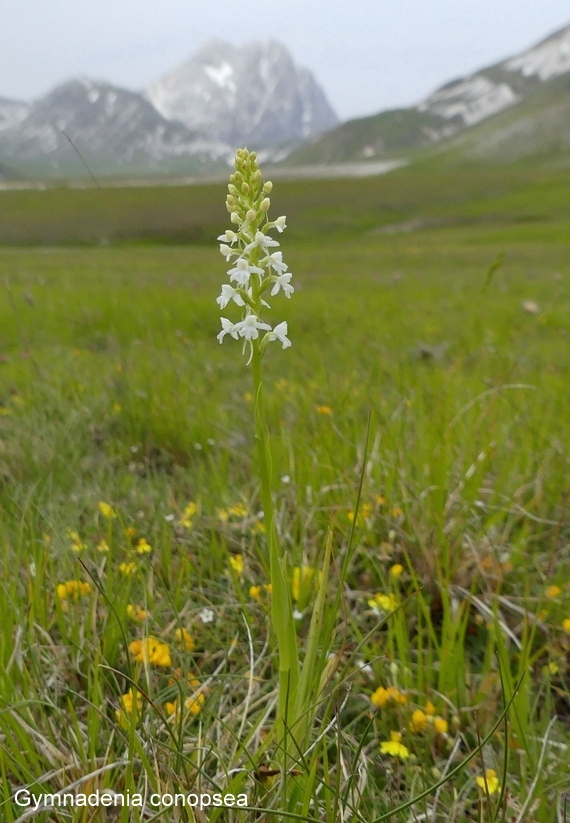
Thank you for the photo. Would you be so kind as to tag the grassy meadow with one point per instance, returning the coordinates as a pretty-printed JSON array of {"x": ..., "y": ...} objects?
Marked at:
[{"x": 429, "y": 367}]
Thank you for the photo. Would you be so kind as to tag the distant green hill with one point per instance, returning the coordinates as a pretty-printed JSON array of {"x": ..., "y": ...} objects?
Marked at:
[
  {"x": 515, "y": 109},
  {"x": 537, "y": 130},
  {"x": 384, "y": 134}
]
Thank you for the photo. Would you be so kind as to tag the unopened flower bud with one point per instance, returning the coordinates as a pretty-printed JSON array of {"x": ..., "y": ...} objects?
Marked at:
[
  {"x": 257, "y": 176},
  {"x": 265, "y": 203},
  {"x": 245, "y": 188},
  {"x": 233, "y": 190},
  {"x": 267, "y": 187},
  {"x": 250, "y": 216},
  {"x": 231, "y": 200},
  {"x": 234, "y": 217}
]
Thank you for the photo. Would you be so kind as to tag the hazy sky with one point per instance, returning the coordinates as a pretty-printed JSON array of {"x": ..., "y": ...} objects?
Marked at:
[{"x": 367, "y": 54}]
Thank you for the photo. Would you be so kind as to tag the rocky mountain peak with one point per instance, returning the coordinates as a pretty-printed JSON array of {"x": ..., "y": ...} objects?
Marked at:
[{"x": 254, "y": 94}]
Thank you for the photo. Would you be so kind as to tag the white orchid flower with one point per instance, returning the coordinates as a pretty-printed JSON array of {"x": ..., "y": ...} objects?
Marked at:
[
  {"x": 228, "y": 236},
  {"x": 227, "y": 328},
  {"x": 275, "y": 260},
  {"x": 280, "y": 333},
  {"x": 250, "y": 326},
  {"x": 282, "y": 282},
  {"x": 260, "y": 241},
  {"x": 228, "y": 294},
  {"x": 227, "y": 252},
  {"x": 242, "y": 271}
]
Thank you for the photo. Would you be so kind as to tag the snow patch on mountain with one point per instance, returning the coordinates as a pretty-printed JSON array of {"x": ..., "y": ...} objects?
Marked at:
[
  {"x": 102, "y": 121},
  {"x": 549, "y": 59},
  {"x": 472, "y": 100}
]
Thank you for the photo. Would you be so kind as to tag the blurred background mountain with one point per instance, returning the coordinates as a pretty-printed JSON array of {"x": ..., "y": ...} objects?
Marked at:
[{"x": 190, "y": 121}]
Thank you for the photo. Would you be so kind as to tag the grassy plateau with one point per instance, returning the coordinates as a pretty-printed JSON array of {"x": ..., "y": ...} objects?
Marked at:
[{"x": 429, "y": 369}]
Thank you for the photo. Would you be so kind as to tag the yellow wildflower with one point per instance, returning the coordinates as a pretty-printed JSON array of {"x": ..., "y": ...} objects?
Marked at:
[
  {"x": 259, "y": 526},
  {"x": 553, "y": 591},
  {"x": 256, "y": 592},
  {"x": 551, "y": 668},
  {"x": 236, "y": 562},
  {"x": 397, "y": 511},
  {"x": 136, "y": 612},
  {"x": 380, "y": 500},
  {"x": 440, "y": 725},
  {"x": 143, "y": 547},
  {"x": 364, "y": 513},
  {"x": 106, "y": 510},
  {"x": 103, "y": 546},
  {"x": 77, "y": 544},
  {"x": 324, "y": 410},
  {"x": 223, "y": 515},
  {"x": 418, "y": 722},
  {"x": 238, "y": 510},
  {"x": 128, "y": 568},
  {"x": 188, "y": 514},
  {"x": 430, "y": 708},
  {"x": 396, "y": 570},
  {"x": 130, "y": 532},
  {"x": 150, "y": 650},
  {"x": 394, "y": 747},
  {"x": 130, "y": 702},
  {"x": 382, "y": 697},
  {"x": 490, "y": 782},
  {"x": 383, "y": 602},
  {"x": 566, "y": 625},
  {"x": 192, "y": 704},
  {"x": 184, "y": 636},
  {"x": 72, "y": 590},
  {"x": 303, "y": 578}
]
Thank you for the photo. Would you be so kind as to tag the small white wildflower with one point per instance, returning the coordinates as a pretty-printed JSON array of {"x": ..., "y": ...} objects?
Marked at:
[
  {"x": 249, "y": 327},
  {"x": 280, "y": 333},
  {"x": 260, "y": 241},
  {"x": 281, "y": 224},
  {"x": 228, "y": 236},
  {"x": 282, "y": 282},
  {"x": 228, "y": 294},
  {"x": 285, "y": 479},
  {"x": 242, "y": 271},
  {"x": 227, "y": 328},
  {"x": 32, "y": 569},
  {"x": 227, "y": 252},
  {"x": 206, "y": 616},
  {"x": 275, "y": 260},
  {"x": 169, "y": 518},
  {"x": 297, "y": 614}
]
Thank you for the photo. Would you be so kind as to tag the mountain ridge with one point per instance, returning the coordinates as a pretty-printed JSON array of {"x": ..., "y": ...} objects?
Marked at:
[
  {"x": 452, "y": 109},
  {"x": 120, "y": 131}
]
